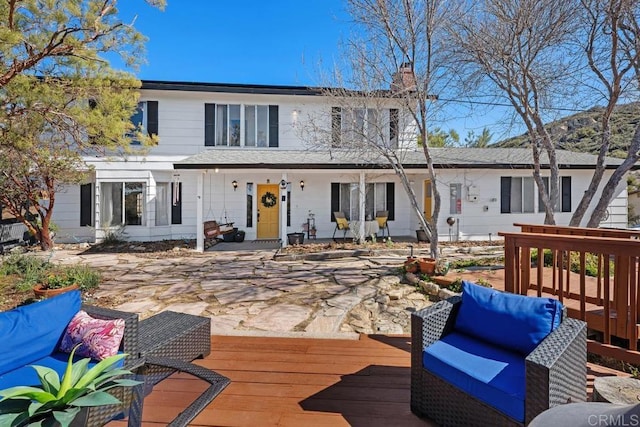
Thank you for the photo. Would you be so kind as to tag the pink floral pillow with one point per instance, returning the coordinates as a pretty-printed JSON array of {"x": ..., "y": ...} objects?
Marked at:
[{"x": 99, "y": 338}]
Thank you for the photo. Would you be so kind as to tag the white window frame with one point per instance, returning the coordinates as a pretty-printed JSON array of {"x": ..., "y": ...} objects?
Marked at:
[
  {"x": 350, "y": 195},
  {"x": 104, "y": 203},
  {"x": 223, "y": 134}
]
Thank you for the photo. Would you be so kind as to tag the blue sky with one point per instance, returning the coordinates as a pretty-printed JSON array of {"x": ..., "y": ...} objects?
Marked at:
[{"x": 277, "y": 42}]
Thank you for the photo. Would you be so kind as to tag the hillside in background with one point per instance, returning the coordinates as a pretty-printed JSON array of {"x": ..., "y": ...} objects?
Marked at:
[{"x": 581, "y": 132}]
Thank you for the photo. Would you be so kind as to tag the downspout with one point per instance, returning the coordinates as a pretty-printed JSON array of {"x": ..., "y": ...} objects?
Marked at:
[
  {"x": 200, "y": 212},
  {"x": 363, "y": 194},
  {"x": 284, "y": 185}
]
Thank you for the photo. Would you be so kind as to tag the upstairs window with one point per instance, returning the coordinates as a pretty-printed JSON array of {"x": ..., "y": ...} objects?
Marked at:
[
  {"x": 235, "y": 125},
  {"x": 355, "y": 125},
  {"x": 145, "y": 118}
]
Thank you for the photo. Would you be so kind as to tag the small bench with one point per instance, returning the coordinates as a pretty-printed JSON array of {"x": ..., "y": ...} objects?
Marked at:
[{"x": 213, "y": 229}]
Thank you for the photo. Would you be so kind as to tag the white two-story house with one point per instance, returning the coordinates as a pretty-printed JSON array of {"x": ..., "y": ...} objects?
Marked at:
[{"x": 233, "y": 153}]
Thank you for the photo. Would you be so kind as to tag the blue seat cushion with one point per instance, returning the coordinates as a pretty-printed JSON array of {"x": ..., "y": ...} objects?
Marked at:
[
  {"x": 26, "y": 375},
  {"x": 33, "y": 331},
  {"x": 515, "y": 322},
  {"x": 491, "y": 374}
]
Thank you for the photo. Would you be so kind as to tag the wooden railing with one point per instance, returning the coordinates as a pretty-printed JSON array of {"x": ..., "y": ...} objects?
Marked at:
[{"x": 610, "y": 290}]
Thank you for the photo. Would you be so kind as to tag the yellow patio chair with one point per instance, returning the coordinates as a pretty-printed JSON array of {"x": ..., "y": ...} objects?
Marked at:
[
  {"x": 341, "y": 224},
  {"x": 382, "y": 217}
]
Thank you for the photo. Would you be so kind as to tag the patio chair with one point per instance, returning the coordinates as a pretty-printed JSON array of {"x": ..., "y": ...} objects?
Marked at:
[
  {"x": 494, "y": 358},
  {"x": 341, "y": 224},
  {"x": 383, "y": 223}
]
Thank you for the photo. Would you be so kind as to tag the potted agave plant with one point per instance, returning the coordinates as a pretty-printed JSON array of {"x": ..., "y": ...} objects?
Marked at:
[{"x": 60, "y": 402}]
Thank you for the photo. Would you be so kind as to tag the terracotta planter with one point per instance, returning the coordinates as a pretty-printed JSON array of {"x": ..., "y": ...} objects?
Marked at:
[
  {"x": 46, "y": 293},
  {"x": 427, "y": 265},
  {"x": 411, "y": 265}
]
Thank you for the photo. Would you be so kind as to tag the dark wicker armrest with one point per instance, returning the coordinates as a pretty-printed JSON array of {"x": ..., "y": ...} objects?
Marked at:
[
  {"x": 129, "y": 343},
  {"x": 556, "y": 370},
  {"x": 427, "y": 326},
  {"x": 433, "y": 322},
  {"x": 217, "y": 384}
]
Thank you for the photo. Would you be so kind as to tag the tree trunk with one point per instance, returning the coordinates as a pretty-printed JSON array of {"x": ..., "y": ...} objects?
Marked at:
[
  {"x": 596, "y": 178},
  {"x": 608, "y": 191}
]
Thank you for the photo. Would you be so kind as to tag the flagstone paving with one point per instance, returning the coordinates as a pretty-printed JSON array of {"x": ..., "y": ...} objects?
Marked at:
[{"x": 250, "y": 292}]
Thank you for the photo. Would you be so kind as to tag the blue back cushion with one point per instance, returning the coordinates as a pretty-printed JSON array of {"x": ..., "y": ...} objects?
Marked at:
[
  {"x": 515, "y": 322},
  {"x": 31, "y": 332}
]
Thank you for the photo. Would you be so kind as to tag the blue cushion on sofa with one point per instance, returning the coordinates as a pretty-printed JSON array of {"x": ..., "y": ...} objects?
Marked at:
[
  {"x": 31, "y": 332},
  {"x": 515, "y": 322},
  {"x": 491, "y": 374},
  {"x": 26, "y": 375}
]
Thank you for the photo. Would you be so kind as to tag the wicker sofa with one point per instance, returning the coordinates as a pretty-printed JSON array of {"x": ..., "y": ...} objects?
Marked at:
[
  {"x": 32, "y": 334},
  {"x": 488, "y": 384}
]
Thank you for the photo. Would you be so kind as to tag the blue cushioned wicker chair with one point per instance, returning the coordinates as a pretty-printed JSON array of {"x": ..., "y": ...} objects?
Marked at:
[{"x": 494, "y": 358}]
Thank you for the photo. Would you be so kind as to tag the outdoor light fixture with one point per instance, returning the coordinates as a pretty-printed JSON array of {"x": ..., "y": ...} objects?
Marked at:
[
  {"x": 283, "y": 184},
  {"x": 235, "y": 184},
  {"x": 302, "y": 184}
]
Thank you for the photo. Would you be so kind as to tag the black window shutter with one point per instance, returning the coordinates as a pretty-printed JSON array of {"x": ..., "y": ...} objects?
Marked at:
[
  {"x": 566, "y": 194},
  {"x": 152, "y": 117},
  {"x": 505, "y": 194},
  {"x": 209, "y": 125},
  {"x": 335, "y": 199},
  {"x": 273, "y": 125},
  {"x": 394, "y": 123},
  {"x": 86, "y": 205},
  {"x": 176, "y": 209},
  {"x": 391, "y": 206},
  {"x": 336, "y": 127}
]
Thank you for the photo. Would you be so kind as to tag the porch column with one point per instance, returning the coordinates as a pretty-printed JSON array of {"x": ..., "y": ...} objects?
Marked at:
[
  {"x": 363, "y": 193},
  {"x": 200, "y": 212},
  {"x": 283, "y": 211}
]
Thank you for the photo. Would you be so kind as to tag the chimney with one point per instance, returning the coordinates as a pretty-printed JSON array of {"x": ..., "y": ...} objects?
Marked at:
[{"x": 404, "y": 79}]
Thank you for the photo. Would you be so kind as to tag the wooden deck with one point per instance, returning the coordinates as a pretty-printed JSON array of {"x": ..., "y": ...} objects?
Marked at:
[{"x": 301, "y": 382}]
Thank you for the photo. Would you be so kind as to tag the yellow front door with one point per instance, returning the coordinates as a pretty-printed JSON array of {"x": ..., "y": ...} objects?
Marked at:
[
  {"x": 268, "y": 216},
  {"x": 427, "y": 199}
]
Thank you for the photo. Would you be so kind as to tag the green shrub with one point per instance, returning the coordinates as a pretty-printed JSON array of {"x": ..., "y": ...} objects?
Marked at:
[
  {"x": 591, "y": 262},
  {"x": 86, "y": 277},
  {"x": 456, "y": 285},
  {"x": 19, "y": 263},
  {"x": 28, "y": 268},
  {"x": 32, "y": 270}
]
